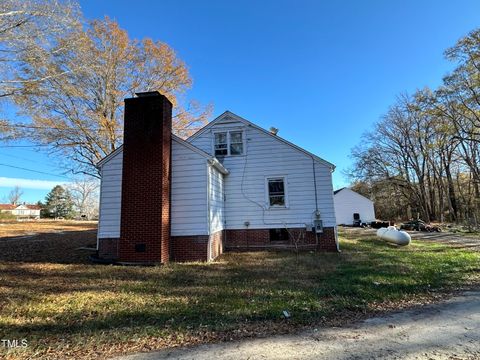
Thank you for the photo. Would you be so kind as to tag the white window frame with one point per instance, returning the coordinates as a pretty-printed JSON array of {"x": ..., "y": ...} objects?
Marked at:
[
  {"x": 228, "y": 131},
  {"x": 229, "y": 140},
  {"x": 214, "y": 142},
  {"x": 285, "y": 188}
]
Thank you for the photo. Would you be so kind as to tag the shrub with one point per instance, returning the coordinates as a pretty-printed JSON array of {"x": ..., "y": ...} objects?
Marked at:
[{"x": 6, "y": 216}]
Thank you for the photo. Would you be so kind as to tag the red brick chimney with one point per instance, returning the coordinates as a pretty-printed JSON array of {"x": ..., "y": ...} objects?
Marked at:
[{"x": 145, "y": 215}]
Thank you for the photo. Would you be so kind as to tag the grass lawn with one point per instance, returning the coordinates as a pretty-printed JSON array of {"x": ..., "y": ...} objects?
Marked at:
[
  {"x": 29, "y": 228},
  {"x": 79, "y": 310}
]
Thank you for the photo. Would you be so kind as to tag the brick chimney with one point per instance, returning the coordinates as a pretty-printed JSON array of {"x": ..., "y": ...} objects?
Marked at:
[{"x": 145, "y": 215}]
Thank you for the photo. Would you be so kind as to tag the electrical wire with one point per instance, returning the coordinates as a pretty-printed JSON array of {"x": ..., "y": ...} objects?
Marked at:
[
  {"x": 18, "y": 157},
  {"x": 35, "y": 171},
  {"x": 281, "y": 222},
  {"x": 23, "y": 146},
  {"x": 74, "y": 129},
  {"x": 37, "y": 127}
]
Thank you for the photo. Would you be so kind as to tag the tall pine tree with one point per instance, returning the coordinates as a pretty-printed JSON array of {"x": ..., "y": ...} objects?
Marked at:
[{"x": 59, "y": 203}]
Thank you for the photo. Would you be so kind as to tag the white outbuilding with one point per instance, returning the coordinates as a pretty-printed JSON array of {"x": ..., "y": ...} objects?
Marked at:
[{"x": 351, "y": 207}]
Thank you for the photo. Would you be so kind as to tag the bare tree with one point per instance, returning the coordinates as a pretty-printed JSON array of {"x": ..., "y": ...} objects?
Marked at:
[
  {"x": 15, "y": 195},
  {"x": 423, "y": 156},
  {"x": 80, "y": 115},
  {"x": 414, "y": 156},
  {"x": 85, "y": 196},
  {"x": 296, "y": 237},
  {"x": 30, "y": 29}
]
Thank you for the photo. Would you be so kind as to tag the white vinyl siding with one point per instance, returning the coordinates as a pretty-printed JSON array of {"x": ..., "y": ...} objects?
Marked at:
[
  {"x": 347, "y": 202},
  {"x": 111, "y": 198},
  {"x": 215, "y": 194},
  {"x": 197, "y": 194},
  {"x": 266, "y": 156},
  {"x": 189, "y": 194}
]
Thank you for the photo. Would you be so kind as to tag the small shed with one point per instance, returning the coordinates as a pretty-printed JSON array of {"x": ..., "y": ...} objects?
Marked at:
[{"x": 351, "y": 207}]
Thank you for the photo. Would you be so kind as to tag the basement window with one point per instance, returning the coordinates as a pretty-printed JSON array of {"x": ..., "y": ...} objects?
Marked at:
[
  {"x": 277, "y": 195},
  {"x": 279, "y": 235},
  {"x": 229, "y": 143}
]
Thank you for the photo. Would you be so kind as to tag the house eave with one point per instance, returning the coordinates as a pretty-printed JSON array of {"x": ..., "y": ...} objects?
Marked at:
[
  {"x": 174, "y": 138},
  {"x": 108, "y": 157}
]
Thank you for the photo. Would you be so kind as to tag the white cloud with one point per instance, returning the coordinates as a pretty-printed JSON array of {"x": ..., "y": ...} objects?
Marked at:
[{"x": 29, "y": 183}]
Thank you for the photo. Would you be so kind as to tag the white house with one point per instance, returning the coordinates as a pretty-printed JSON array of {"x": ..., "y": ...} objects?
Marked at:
[
  {"x": 22, "y": 211},
  {"x": 232, "y": 185},
  {"x": 350, "y": 205}
]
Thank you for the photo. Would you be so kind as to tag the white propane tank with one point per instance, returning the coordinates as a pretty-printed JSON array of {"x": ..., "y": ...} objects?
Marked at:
[{"x": 391, "y": 234}]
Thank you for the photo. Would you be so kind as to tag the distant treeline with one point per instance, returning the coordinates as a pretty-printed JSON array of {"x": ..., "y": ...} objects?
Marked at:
[{"x": 422, "y": 158}]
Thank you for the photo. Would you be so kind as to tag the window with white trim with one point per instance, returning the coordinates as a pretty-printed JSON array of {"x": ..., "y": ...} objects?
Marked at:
[
  {"x": 221, "y": 145},
  {"x": 236, "y": 142},
  {"x": 229, "y": 143},
  {"x": 276, "y": 192}
]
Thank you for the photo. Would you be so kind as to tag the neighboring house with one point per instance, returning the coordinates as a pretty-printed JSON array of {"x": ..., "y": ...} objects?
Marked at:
[
  {"x": 348, "y": 203},
  {"x": 22, "y": 211},
  {"x": 232, "y": 185}
]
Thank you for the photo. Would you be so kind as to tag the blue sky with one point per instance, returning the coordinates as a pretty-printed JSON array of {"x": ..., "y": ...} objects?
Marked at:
[{"x": 322, "y": 72}]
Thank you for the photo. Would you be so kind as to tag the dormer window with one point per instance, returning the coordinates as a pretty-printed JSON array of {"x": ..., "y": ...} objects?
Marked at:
[{"x": 229, "y": 143}]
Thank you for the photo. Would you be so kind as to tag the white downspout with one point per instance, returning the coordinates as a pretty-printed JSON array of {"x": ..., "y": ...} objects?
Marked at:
[{"x": 209, "y": 245}]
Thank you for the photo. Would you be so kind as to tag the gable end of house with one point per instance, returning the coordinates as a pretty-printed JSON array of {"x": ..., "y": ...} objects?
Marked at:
[{"x": 229, "y": 117}]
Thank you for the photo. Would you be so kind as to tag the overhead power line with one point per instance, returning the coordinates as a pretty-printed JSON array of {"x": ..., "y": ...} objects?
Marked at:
[
  {"x": 37, "y": 127},
  {"x": 23, "y": 146},
  {"x": 69, "y": 128},
  {"x": 35, "y": 171},
  {"x": 18, "y": 157}
]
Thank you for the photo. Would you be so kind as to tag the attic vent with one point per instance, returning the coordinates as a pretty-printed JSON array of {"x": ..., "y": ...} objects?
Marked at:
[{"x": 273, "y": 130}]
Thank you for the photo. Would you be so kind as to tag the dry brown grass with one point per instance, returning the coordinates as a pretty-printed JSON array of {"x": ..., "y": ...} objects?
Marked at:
[
  {"x": 26, "y": 228},
  {"x": 46, "y": 241},
  {"x": 68, "y": 308}
]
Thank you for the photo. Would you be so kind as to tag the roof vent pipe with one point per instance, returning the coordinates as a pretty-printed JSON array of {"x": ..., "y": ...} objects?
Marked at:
[{"x": 273, "y": 130}]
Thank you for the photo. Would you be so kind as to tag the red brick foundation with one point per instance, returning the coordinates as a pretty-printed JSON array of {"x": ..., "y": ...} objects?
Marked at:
[
  {"x": 195, "y": 248},
  {"x": 326, "y": 241},
  {"x": 189, "y": 248},
  {"x": 183, "y": 248},
  {"x": 259, "y": 239},
  {"x": 108, "y": 248}
]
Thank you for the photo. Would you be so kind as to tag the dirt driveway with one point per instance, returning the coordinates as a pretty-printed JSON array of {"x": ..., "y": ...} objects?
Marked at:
[
  {"x": 456, "y": 240},
  {"x": 449, "y": 330}
]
